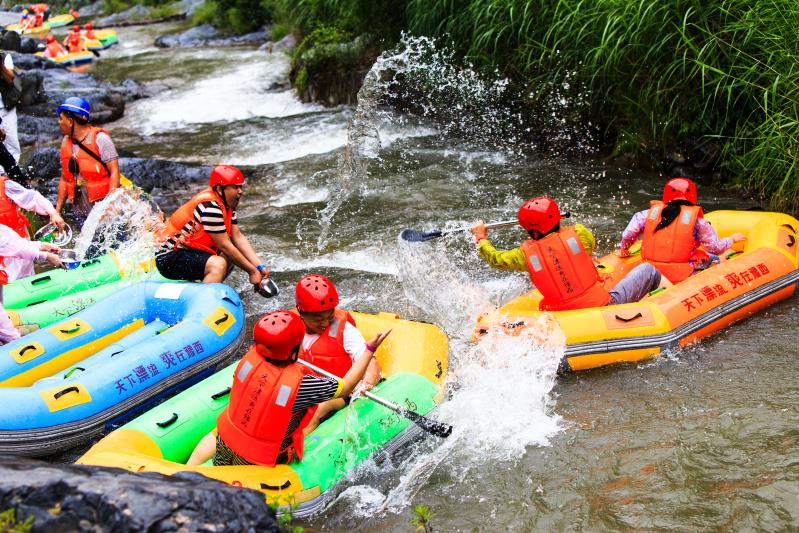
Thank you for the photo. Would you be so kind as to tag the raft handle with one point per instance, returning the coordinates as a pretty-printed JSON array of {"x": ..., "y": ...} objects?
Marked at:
[
  {"x": 35, "y": 303},
  {"x": 637, "y": 315},
  {"x": 60, "y": 393},
  {"x": 220, "y": 394},
  {"x": 221, "y": 320},
  {"x": 227, "y": 298},
  {"x": 514, "y": 325},
  {"x": 792, "y": 241},
  {"x": 89, "y": 263},
  {"x": 72, "y": 371},
  {"x": 285, "y": 485},
  {"x": 26, "y": 348},
  {"x": 71, "y": 330},
  {"x": 167, "y": 423},
  {"x": 43, "y": 279}
]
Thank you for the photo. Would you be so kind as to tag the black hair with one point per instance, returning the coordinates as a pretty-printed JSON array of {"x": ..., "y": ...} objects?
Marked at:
[
  {"x": 77, "y": 118},
  {"x": 670, "y": 213},
  {"x": 536, "y": 235}
]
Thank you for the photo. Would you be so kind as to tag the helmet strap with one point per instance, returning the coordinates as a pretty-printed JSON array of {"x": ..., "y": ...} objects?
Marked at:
[{"x": 221, "y": 195}]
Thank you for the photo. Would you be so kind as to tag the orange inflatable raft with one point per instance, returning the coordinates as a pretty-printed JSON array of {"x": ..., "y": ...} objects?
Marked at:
[{"x": 746, "y": 280}]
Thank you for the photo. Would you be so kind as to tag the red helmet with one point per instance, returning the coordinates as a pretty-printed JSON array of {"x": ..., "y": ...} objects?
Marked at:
[
  {"x": 88, "y": 25},
  {"x": 75, "y": 28},
  {"x": 278, "y": 334},
  {"x": 316, "y": 293},
  {"x": 679, "y": 189},
  {"x": 540, "y": 214},
  {"x": 50, "y": 39},
  {"x": 226, "y": 175}
]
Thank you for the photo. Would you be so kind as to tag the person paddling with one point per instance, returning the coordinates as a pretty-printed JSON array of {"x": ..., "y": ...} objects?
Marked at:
[
  {"x": 53, "y": 48},
  {"x": 89, "y": 31},
  {"x": 271, "y": 396},
  {"x": 677, "y": 239},
  {"x": 73, "y": 41},
  {"x": 558, "y": 263}
]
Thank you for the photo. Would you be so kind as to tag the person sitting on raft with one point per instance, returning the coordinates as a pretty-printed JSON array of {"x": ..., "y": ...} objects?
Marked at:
[
  {"x": 202, "y": 239},
  {"x": 12, "y": 246},
  {"x": 89, "y": 160},
  {"x": 269, "y": 431},
  {"x": 332, "y": 341},
  {"x": 89, "y": 31},
  {"x": 53, "y": 48},
  {"x": 73, "y": 41},
  {"x": 12, "y": 197},
  {"x": 673, "y": 231},
  {"x": 558, "y": 263}
]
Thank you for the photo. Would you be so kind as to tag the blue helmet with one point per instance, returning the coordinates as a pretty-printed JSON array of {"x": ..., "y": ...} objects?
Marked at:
[{"x": 75, "y": 105}]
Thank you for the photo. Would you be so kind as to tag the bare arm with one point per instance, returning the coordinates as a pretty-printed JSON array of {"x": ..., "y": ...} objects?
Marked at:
[
  {"x": 358, "y": 369},
  {"x": 62, "y": 194},
  {"x": 226, "y": 246},
  {"x": 243, "y": 244},
  {"x": 113, "y": 168}
]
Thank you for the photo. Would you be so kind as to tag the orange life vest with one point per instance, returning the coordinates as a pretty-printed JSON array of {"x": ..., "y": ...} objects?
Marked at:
[
  {"x": 55, "y": 49},
  {"x": 255, "y": 421},
  {"x": 9, "y": 212},
  {"x": 673, "y": 249},
  {"x": 195, "y": 237},
  {"x": 74, "y": 43},
  {"x": 38, "y": 20},
  {"x": 98, "y": 180},
  {"x": 563, "y": 272},
  {"x": 91, "y": 35},
  {"x": 328, "y": 352}
]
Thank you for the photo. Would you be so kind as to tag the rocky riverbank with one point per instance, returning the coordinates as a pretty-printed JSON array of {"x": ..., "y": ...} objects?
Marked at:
[{"x": 88, "y": 499}]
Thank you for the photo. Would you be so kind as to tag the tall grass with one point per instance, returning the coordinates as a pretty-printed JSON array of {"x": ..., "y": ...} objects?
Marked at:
[{"x": 655, "y": 72}]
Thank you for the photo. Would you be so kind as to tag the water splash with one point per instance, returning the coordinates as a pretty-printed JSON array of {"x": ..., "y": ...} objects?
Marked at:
[{"x": 123, "y": 221}]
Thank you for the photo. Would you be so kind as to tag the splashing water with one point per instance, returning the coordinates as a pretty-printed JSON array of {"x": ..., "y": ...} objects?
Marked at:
[{"x": 124, "y": 222}]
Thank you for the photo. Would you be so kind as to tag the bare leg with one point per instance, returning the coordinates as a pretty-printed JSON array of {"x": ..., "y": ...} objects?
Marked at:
[
  {"x": 204, "y": 450},
  {"x": 322, "y": 411},
  {"x": 215, "y": 269}
]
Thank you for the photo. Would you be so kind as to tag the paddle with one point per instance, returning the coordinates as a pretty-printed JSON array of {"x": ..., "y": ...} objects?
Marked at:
[
  {"x": 411, "y": 235},
  {"x": 95, "y": 52},
  {"x": 431, "y": 426}
]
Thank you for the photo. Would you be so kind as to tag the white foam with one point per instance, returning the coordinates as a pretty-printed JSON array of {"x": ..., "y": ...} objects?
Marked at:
[{"x": 370, "y": 259}]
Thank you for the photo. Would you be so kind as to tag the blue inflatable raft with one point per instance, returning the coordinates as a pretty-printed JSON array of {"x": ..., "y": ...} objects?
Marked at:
[{"x": 67, "y": 383}]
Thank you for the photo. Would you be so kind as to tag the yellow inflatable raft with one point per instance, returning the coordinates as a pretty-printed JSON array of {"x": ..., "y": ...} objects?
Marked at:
[
  {"x": 763, "y": 272},
  {"x": 413, "y": 360}
]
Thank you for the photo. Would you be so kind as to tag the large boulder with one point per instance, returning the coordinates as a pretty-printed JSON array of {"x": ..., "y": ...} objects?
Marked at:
[
  {"x": 10, "y": 40},
  {"x": 207, "y": 35},
  {"x": 89, "y": 499}
]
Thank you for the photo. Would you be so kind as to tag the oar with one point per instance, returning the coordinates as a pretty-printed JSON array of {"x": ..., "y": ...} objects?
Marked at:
[
  {"x": 412, "y": 235},
  {"x": 431, "y": 426}
]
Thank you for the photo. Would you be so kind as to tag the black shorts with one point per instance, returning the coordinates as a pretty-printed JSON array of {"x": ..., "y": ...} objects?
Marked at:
[{"x": 183, "y": 264}]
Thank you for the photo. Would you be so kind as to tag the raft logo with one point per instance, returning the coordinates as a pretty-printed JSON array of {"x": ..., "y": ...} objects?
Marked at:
[{"x": 734, "y": 280}]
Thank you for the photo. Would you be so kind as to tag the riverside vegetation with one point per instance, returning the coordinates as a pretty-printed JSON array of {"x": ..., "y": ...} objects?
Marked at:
[{"x": 648, "y": 78}]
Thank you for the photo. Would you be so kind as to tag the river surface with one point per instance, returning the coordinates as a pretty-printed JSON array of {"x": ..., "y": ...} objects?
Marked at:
[{"x": 705, "y": 439}]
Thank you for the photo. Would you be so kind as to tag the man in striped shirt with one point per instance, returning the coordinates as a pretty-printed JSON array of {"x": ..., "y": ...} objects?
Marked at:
[{"x": 202, "y": 240}]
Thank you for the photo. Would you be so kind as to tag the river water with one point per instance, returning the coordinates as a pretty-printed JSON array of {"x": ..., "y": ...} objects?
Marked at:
[{"x": 705, "y": 439}]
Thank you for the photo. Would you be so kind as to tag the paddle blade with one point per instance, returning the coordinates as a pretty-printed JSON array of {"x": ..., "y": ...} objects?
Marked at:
[
  {"x": 438, "y": 429},
  {"x": 411, "y": 235}
]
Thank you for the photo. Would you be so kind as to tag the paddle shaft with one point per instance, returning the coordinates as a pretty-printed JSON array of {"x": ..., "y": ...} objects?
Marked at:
[
  {"x": 437, "y": 428},
  {"x": 505, "y": 224}
]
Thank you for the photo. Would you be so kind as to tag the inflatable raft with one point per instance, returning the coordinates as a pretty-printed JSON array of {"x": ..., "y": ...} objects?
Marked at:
[
  {"x": 69, "y": 382},
  {"x": 746, "y": 280},
  {"x": 413, "y": 360},
  {"x": 105, "y": 39},
  {"x": 53, "y": 22},
  {"x": 74, "y": 59}
]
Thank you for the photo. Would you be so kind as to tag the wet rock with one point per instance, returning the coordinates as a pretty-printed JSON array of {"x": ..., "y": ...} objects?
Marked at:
[
  {"x": 207, "y": 35},
  {"x": 11, "y": 40},
  {"x": 137, "y": 12},
  {"x": 28, "y": 45},
  {"x": 30, "y": 61},
  {"x": 332, "y": 73},
  {"x": 286, "y": 44},
  {"x": 91, "y": 10},
  {"x": 85, "y": 498}
]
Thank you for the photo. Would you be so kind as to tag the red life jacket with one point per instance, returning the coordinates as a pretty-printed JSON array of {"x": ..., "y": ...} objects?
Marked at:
[
  {"x": 255, "y": 421},
  {"x": 563, "y": 272},
  {"x": 74, "y": 44},
  {"x": 195, "y": 237},
  {"x": 98, "y": 180},
  {"x": 9, "y": 212},
  {"x": 90, "y": 34},
  {"x": 55, "y": 49},
  {"x": 672, "y": 250},
  {"x": 328, "y": 352}
]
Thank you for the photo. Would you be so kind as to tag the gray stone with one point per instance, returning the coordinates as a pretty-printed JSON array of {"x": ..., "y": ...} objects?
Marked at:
[
  {"x": 207, "y": 35},
  {"x": 88, "y": 499}
]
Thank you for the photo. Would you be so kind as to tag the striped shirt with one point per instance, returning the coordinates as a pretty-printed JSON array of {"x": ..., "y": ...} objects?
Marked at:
[
  {"x": 313, "y": 390},
  {"x": 208, "y": 215}
]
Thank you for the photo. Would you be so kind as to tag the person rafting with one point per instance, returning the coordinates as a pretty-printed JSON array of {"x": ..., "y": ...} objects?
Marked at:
[
  {"x": 89, "y": 31},
  {"x": 73, "y": 41},
  {"x": 202, "y": 239},
  {"x": 53, "y": 48},
  {"x": 14, "y": 196},
  {"x": 559, "y": 265},
  {"x": 25, "y": 22},
  {"x": 38, "y": 19},
  {"x": 89, "y": 160},
  {"x": 271, "y": 395},
  {"x": 12, "y": 246},
  {"x": 677, "y": 239},
  {"x": 332, "y": 341}
]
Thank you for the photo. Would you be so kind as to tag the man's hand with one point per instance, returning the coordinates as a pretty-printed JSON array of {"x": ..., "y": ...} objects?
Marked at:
[
  {"x": 48, "y": 247},
  {"x": 56, "y": 219},
  {"x": 256, "y": 277},
  {"x": 54, "y": 260},
  {"x": 479, "y": 231}
]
